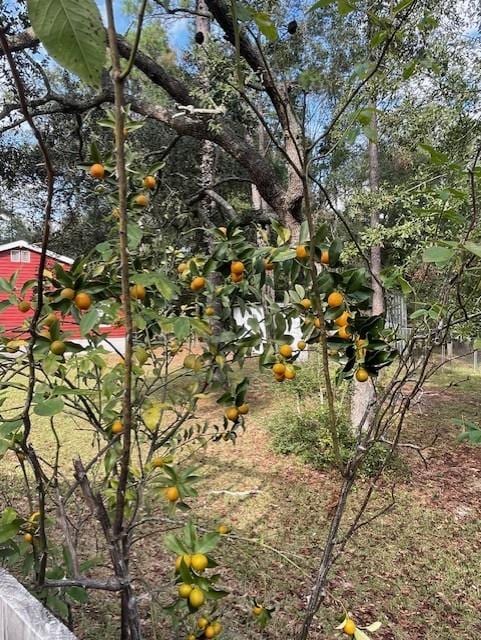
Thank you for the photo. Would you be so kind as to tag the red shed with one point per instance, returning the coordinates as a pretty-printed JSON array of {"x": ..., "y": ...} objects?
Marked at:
[{"x": 24, "y": 259}]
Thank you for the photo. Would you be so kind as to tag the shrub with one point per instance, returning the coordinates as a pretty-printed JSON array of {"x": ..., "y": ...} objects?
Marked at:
[{"x": 305, "y": 434}]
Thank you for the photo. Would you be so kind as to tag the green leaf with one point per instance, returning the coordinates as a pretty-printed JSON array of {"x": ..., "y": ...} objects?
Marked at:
[
  {"x": 473, "y": 248},
  {"x": 5, "y": 286},
  {"x": 134, "y": 233},
  {"x": 8, "y": 531},
  {"x": 438, "y": 254},
  {"x": 78, "y": 594},
  {"x": 360, "y": 635},
  {"x": 285, "y": 254},
  {"x": 58, "y": 606},
  {"x": 208, "y": 542},
  {"x": 370, "y": 133},
  {"x": 73, "y": 34},
  {"x": 165, "y": 286},
  {"x": 403, "y": 4},
  {"x": 405, "y": 286},
  {"x": 89, "y": 321},
  {"x": 437, "y": 157},
  {"x": 265, "y": 24},
  {"x": 181, "y": 328},
  {"x": 321, "y": 4},
  {"x": 50, "y": 407},
  {"x": 346, "y": 6}
]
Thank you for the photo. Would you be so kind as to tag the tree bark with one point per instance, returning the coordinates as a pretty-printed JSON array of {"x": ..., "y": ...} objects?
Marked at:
[
  {"x": 363, "y": 392},
  {"x": 207, "y": 163}
]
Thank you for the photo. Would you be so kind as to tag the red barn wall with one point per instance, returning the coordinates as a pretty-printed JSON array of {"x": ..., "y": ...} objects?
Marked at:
[{"x": 14, "y": 320}]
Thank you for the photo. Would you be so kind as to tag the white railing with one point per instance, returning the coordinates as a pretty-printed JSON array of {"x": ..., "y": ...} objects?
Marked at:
[{"x": 23, "y": 617}]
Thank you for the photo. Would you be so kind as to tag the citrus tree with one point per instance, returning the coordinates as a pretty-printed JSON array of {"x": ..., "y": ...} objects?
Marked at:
[{"x": 184, "y": 340}]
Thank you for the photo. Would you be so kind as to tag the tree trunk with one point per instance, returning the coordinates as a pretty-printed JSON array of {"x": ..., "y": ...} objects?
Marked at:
[
  {"x": 363, "y": 392},
  {"x": 207, "y": 163}
]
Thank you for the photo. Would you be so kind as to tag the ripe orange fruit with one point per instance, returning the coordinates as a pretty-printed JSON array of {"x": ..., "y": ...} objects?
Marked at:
[
  {"x": 301, "y": 345},
  {"x": 268, "y": 265},
  {"x": 141, "y": 200},
  {"x": 342, "y": 320},
  {"x": 349, "y": 627},
  {"x": 209, "y": 311},
  {"x": 344, "y": 333},
  {"x": 301, "y": 252},
  {"x": 237, "y": 267},
  {"x": 223, "y": 529},
  {"x": 28, "y": 537},
  {"x": 198, "y": 283},
  {"x": 196, "y": 597},
  {"x": 199, "y": 562},
  {"x": 172, "y": 494},
  {"x": 83, "y": 301},
  {"x": 178, "y": 561},
  {"x": 202, "y": 622},
  {"x": 257, "y": 610},
  {"x": 49, "y": 320},
  {"x": 306, "y": 303},
  {"x": 184, "y": 590},
  {"x": 150, "y": 182},
  {"x": 209, "y": 631},
  {"x": 117, "y": 427},
  {"x": 97, "y": 171},
  {"x": 237, "y": 277},
  {"x": 285, "y": 350},
  {"x": 290, "y": 373},
  {"x": 138, "y": 292},
  {"x": 232, "y": 413},
  {"x": 243, "y": 409},
  {"x": 317, "y": 323},
  {"x": 279, "y": 368},
  {"x": 67, "y": 294},
  {"x": 325, "y": 256},
  {"x": 335, "y": 299},
  {"x": 182, "y": 267},
  {"x": 362, "y": 375},
  {"x": 58, "y": 347},
  {"x": 24, "y": 306}
]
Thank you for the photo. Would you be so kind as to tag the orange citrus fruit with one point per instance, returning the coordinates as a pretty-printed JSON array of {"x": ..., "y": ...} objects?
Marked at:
[
  {"x": 97, "y": 171},
  {"x": 232, "y": 413},
  {"x": 172, "y": 494},
  {"x": 198, "y": 283},
  {"x": 285, "y": 350},
  {"x": 335, "y": 299},
  {"x": 362, "y": 375},
  {"x": 149, "y": 182},
  {"x": 138, "y": 292},
  {"x": 58, "y": 347},
  {"x": 83, "y": 301},
  {"x": 67, "y": 294},
  {"x": 237, "y": 267},
  {"x": 301, "y": 252}
]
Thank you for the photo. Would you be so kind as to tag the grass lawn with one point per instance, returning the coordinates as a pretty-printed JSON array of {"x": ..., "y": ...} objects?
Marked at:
[{"x": 417, "y": 568}]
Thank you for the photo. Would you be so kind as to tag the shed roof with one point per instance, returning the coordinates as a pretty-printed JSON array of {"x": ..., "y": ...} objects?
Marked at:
[{"x": 22, "y": 244}]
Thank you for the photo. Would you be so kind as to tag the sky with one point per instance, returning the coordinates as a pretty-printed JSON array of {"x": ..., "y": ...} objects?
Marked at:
[{"x": 177, "y": 28}]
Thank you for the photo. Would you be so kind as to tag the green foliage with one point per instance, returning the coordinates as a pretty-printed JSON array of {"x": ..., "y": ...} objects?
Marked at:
[
  {"x": 73, "y": 34},
  {"x": 305, "y": 433}
]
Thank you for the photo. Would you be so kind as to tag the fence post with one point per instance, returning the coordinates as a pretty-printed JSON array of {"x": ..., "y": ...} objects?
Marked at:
[{"x": 23, "y": 617}]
